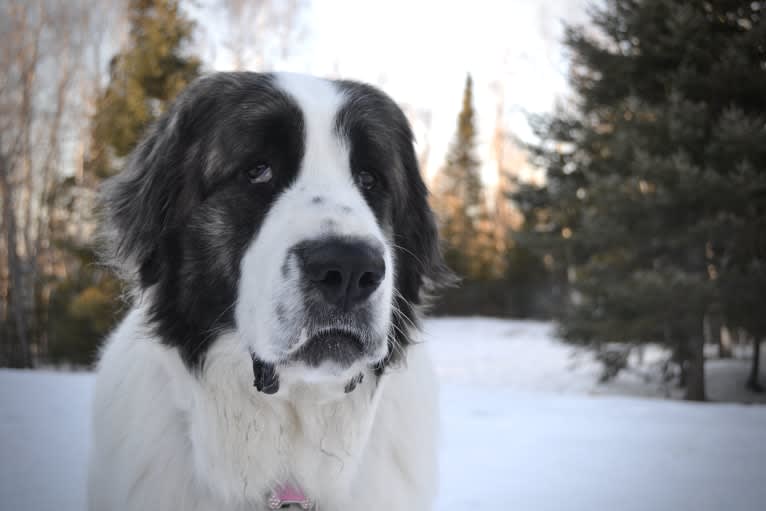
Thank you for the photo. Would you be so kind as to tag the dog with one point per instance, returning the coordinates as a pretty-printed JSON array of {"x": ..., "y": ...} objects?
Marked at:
[{"x": 276, "y": 235}]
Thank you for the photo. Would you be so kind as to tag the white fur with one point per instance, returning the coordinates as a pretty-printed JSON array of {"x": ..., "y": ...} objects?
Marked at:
[{"x": 167, "y": 439}]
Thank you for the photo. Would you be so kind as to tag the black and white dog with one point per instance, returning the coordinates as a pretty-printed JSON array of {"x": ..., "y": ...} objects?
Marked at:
[{"x": 276, "y": 228}]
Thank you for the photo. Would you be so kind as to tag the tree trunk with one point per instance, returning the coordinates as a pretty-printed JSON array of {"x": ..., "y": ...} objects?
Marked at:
[
  {"x": 22, "y": 357},
  {"x": 695, "y": 382},
  {"x": 752, "y": 381},
  {"x": 714, "y": 323},
  {"x": 681, "y": 358}
]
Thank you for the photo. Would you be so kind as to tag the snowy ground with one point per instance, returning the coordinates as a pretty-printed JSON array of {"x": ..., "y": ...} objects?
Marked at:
[
  {"x": 44, "y": 431},
  {"x": 524, "y": 355},
  {"x": 525, "y": 428}
]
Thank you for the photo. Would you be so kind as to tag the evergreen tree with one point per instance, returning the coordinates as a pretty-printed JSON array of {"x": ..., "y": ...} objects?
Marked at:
[
  {"x": 144, "y": 78},
  {"x": 656, "y": 178},
  {"x": 460, "y": 202}
]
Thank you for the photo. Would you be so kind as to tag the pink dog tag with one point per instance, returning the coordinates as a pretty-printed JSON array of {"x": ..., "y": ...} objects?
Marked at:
[{"x": 287, "y": 495}]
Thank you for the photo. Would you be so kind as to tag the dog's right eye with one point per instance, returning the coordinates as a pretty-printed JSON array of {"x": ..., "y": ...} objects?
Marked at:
[
  {"x": 260, "y": 173},
  {"x": 366, "y": 180}
]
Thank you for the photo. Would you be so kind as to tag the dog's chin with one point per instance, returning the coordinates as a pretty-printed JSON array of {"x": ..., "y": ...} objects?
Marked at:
[{"x": 334, "y": 360}]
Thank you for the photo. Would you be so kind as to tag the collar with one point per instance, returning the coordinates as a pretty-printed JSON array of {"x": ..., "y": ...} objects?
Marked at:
[{"x": 288, "y": 494}]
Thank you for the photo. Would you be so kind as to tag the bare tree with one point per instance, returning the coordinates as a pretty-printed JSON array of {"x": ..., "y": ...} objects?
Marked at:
[
  {"x": 45, "y": 43},
  {"x": 260, "y": 32},
  {"x": 22, "y": 28}
]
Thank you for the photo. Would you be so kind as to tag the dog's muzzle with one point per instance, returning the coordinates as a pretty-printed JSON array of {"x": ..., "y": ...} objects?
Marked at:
[{"x": 338, "y": 279}]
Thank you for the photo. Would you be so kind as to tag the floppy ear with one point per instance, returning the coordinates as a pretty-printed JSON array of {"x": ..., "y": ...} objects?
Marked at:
[
  {"x": 145, "y": 203},
  {"x": 420, "y": 267}
]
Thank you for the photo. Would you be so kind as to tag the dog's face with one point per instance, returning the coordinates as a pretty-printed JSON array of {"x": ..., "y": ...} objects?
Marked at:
[
  {"x": 284, "y": 208},
  {"x": 316, "y": 283}
]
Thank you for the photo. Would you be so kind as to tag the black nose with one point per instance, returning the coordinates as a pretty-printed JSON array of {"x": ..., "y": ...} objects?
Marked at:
[{"x": 346, "y": 272}]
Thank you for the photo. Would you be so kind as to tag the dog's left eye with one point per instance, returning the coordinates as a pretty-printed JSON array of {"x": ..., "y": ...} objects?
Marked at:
[
  {"x": 366, "y": 180},
  {"x": 261, "y": 173}
]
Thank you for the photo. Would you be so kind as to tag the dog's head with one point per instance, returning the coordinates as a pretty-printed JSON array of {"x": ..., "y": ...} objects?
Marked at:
[{"x": 287, "y": 209}]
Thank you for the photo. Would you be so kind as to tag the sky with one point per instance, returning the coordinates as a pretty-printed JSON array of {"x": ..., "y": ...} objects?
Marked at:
[{"x": 419, "y": 52}]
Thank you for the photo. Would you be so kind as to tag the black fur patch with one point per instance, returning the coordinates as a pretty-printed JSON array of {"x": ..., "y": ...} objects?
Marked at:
[
  {"x": 351, "y": 385},
  {"x": 265, "y": 377}
]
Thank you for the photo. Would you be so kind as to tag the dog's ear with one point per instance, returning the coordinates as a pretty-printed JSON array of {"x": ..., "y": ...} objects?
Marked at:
[
  {"x": 420, "y": 265},
  {"x": 146, "y": 202}
]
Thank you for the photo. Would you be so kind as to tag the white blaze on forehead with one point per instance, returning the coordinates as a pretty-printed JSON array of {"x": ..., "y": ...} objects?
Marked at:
[
  {"x": 325, "y": 156},
  {"x": 325, "y": 170}
]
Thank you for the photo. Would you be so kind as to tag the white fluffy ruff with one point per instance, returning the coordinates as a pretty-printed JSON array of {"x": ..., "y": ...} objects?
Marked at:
[{"x": 167, "y": 439}]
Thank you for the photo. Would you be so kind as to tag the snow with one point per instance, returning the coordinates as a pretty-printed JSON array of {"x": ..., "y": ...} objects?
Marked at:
[
  {"x": 44, "y": 432},
  {"x": 537, "y": 453},
  {"x": 525, "y": 427},
  {"x": 525, "y": 355}
]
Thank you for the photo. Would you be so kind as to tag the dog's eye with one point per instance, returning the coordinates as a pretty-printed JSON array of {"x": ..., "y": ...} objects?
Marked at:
[
  {"x": 366, "y": 180},
  {"x": 261, "y": 173}
]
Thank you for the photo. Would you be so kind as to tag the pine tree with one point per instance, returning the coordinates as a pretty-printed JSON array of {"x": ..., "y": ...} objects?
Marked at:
[
  {"x": 144, "y": 78},
  {"x": 460, "y": 202},
  {"x": 656, "y": 178}
]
